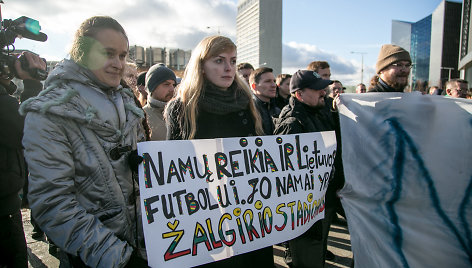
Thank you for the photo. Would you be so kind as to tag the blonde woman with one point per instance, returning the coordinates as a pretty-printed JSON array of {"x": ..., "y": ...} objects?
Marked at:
[{"x": 213, "y": 102}]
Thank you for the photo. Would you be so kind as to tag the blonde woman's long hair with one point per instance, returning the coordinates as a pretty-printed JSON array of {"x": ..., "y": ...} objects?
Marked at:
[{"x": 191, "y": 87}]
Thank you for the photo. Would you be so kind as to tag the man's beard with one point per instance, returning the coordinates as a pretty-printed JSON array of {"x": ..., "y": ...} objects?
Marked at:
[{"x": 397, "y": 85}]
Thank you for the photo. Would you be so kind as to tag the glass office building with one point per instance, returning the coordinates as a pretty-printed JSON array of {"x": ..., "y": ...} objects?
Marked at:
[
  {"x": 445, "y": 36},
  {"x": 434, "y": 45},
  {"x": 415, "y": 37},
  {"x": 420, "y": 51}
]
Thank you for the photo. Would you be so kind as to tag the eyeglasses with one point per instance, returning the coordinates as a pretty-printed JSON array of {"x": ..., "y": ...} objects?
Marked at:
[{"x": 401, "y": 66}]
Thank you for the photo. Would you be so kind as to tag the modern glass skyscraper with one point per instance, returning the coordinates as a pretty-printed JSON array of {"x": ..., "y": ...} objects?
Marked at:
[
  {"x": 434, "y": 45},
  {"x": 420, "y": 51},
  {"x": 259, "y": 33},
  {"x": 415, "y": 37},
  {"x": 401, "y": 34}
]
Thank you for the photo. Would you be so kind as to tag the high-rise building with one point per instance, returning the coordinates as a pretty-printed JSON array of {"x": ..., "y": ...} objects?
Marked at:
[
  {"x": 445, "y": 36},
  {"x": 259, "y": 33},
  {"x": 176, "y": 59},
  {"x": 433, "y": 43},
  {"x": 401, "y": 34},
  {"x": 415, "y": 37},
  {"x": 420, "y": 51},
  {"x": 465, "y": 56}
]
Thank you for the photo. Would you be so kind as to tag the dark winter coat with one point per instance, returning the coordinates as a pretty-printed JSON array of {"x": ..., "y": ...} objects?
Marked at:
[
  {"x": 12, "y": 164},
  {"x": 210, "y": 125},
  {"x": 280, "y": 101},
  {"x": 300, "y": 118},
  {"x": 268, "y": 111}
]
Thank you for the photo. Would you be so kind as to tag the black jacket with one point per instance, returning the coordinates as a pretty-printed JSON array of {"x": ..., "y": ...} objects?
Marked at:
[
  {"x": 210, "y": 125},
  {"x": 280, "y": 101},
  {"x": 12, "y": 163},
  {"x": 268, "y": 111},
  {"x": 300, "y": 118}
]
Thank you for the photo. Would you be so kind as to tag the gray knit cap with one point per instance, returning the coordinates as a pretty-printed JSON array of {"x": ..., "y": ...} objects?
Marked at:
[
  {"x": 390, "y": 54},
  {"x": 157, "y": 75}
]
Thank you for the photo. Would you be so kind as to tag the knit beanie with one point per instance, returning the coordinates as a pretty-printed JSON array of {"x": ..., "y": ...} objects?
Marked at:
[
  {"x": 141, "y": 80},
  {"x": 390, "y": 54},
  {"x": 157, "y": 75}
]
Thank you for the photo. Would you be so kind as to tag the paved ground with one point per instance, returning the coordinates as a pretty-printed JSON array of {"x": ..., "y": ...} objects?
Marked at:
[{"x": 339, "y": 243}]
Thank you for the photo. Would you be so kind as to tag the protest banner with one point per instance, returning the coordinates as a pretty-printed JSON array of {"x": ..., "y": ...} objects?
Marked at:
[
  {"x": 207, "y": 200},
  {"x": 408, "y": 191}
]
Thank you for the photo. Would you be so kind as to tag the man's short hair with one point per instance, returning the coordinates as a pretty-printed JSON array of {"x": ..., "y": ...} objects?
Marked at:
[
  {"x": 245, "y": 65},
  {"x": 452, "y": 82},
  {"x": 281, "y": 78},
  {"x": 255, "y": 76},
  {"x": 316, "y": 65},
  {"x": 337, "y": 81},
  {"x": 360, "y": 84}
]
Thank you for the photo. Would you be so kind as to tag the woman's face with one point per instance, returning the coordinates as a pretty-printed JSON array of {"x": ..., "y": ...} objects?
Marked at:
[
  {"x": 221, "y": 69},
  {"x": 107, "y": 56}
]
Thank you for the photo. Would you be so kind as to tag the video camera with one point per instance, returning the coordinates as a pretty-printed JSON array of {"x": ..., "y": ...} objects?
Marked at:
[{"x": 9, "y": 31}]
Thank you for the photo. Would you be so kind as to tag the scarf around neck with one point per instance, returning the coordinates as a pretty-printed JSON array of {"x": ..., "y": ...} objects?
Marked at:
[
  {"x": 156, "y": 103},
  {"x": 218, "y": 101}
]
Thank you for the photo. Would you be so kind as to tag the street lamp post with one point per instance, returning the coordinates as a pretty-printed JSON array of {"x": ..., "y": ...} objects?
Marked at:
[{"x": 362, "y": 63}]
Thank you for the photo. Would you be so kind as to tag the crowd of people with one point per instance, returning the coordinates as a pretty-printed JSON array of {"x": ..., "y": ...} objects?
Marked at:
[{"x": 79, "y": 139}]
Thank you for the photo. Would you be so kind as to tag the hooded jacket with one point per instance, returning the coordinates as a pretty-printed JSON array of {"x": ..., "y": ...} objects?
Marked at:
[{"x": 78, "y": 133}]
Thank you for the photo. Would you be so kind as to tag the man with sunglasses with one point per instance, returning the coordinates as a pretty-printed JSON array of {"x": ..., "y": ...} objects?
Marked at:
[{"x": 393, "y": 69}]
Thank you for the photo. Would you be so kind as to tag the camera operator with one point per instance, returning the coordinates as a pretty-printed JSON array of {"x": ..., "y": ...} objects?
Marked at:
[{"x": 13, "y": 250}]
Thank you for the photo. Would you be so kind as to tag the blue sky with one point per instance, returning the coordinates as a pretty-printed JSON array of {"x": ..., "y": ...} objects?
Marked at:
[{"x": 312, "y": 29}]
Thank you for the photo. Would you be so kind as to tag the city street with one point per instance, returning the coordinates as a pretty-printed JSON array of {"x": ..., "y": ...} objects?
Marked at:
[{"x": 338, "y": 243}]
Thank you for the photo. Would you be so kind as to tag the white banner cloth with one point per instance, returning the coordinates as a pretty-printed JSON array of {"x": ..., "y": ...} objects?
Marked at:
[
  {"x": 408, "y": 166},
  {"x": 206, "y": 200}
]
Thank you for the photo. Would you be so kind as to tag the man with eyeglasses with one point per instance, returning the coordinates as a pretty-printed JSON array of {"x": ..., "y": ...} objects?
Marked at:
[
  {"x": 457, "y": 88},
  {"x": 392, "y": 68},
  {"x": 335, "y": 89}
]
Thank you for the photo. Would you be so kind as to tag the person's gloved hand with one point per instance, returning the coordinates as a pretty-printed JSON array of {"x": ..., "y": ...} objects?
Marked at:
[
  {"x": 134, "y": 160},
  {"x": 136, "y": 261}
]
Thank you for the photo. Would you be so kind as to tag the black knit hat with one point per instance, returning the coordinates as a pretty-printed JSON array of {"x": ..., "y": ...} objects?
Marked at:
[
  {"x": 141, "y": 81},
  {"x": 157, "y": 75}
]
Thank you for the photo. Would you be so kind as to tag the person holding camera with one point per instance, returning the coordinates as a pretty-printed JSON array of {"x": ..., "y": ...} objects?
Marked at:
[
  {"x": 80, "y": 140},
  {"x": 13, "y": 250}
]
